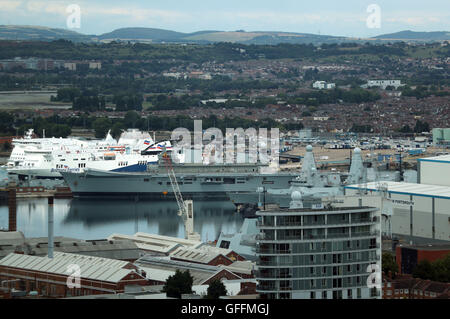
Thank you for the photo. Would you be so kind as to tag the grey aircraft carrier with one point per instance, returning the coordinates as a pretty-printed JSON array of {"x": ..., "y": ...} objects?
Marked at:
[{"x": 195, "y": 181}]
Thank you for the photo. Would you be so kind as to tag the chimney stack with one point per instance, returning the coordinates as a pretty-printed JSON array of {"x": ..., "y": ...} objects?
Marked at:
[
  {"x": 12, "y": 207},
  {"x": 50, "y": 227}
]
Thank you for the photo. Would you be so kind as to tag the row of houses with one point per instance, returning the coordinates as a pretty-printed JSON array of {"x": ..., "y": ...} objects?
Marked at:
[
  {"x": 45, "y": 64},
  {"x": 407, "y": 287}
]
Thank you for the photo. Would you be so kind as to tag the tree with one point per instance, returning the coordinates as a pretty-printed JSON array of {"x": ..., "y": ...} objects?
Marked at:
[
  {"x": 131, "y": 119},
  {"x": 389, "y": 264},
  {"x": 117, "y": 129},
  {"x": 405, "y": 129},
  {"x": 101, "y": 127},
  {"x": 178, "y": 284},
  {"x": 423, "y": 270},
  {"x": 438, "y": 270},
  {"x": 6, "y": 147},
  {"x": 216, "y": 289},
  {"x": 421, "y": 127}
]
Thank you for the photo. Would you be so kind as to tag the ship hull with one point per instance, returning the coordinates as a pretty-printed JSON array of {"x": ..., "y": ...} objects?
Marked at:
[{"x": 158, "y": 186}]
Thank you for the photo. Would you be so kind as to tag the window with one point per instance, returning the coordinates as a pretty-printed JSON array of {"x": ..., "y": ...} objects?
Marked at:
[
  {"x": 224, "y": 244},
  {"x": 358, "y": 293},
  {"x": 312, "y": 295},
  {"x": 349, "y": 294},
  {"x": 311, "y": 246},
  {"x": 311, "y": 270},
  {"x": 324, "y": 295},
  {"x": 312, "y": 283},
  {"x": 227, "y": 180}
]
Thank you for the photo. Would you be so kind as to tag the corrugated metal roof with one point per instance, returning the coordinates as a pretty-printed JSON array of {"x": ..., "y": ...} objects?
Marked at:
[
  {"x": 149, "y": 243},
  {"x": 197, "y": 255},
  {"x": 408, "y": 189},
  {"x": 94, "y": 268},
  {"x": 441, "y": 158},
  {"x": 158, "y": 274}
]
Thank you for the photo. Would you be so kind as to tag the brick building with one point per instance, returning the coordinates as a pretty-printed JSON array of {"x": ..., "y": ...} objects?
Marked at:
[
  {"x": 407, "y": 287},
  {"x": 49, "y": 276},
  {"x": 207, "y": 256},
  {"x": 408, "y": 256}
]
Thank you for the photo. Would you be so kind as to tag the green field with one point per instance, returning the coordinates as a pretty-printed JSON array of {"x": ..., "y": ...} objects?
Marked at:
[{"x": 29, "y": 101}]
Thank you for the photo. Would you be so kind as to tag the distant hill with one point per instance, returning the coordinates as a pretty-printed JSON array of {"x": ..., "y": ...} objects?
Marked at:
[
  {"x": 18, "y": 32},
  {"x": 11, "y": 32},
  {"x": 142, "y": 34},
  {"x": 416, "y": 36}
]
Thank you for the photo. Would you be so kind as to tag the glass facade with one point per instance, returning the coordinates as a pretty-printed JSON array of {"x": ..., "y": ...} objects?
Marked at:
[{"x": 324, "y": 253}]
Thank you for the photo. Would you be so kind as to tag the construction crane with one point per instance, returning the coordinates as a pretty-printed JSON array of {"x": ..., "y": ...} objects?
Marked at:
[
  {"x": 386, "y": 203},
  {"x": 185, "y": 208}
]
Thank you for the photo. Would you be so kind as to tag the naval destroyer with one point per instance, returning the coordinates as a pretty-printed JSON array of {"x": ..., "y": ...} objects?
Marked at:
[{"x": 309, "y": 182}]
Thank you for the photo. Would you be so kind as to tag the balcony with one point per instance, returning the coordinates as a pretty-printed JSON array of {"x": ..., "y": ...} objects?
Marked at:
[
  {"x": 268, "y": 275},
  {"x": 272, "y": 251},
  {"x": 262, "y": 287},
  {"x": 366, "y": 234}
]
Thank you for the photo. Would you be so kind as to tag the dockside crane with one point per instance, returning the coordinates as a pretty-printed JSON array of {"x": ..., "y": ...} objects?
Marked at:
[{"x": 185, "y": 207}]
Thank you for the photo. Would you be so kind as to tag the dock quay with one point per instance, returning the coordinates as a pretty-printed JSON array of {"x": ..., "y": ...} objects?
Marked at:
[{"x": 35, "y": 192}]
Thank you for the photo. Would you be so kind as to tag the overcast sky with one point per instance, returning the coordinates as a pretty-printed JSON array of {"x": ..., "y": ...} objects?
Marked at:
[{"x": 332, "y": 17}]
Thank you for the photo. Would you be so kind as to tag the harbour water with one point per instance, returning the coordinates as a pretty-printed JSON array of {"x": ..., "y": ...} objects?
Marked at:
[{"x": 97, "y": 219}]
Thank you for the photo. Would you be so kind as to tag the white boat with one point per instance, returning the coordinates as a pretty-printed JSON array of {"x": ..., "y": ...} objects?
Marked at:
[{"x": 39, "y": 158}]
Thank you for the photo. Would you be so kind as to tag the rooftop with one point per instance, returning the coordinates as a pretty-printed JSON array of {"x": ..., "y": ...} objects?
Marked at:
[
  {"x": 408, "y": 189},
  {"x": 273, "y": 208},
  {"x": 160, "y": 268},
  {"x": 433, "y": 247},
  {"x": 195, "y": 255},
  {"x": 94, "y": 268},
  {"x": 442, "y": 159},
  {"x": 38, "y": 246},
  {"x": 157, "y": 243}
]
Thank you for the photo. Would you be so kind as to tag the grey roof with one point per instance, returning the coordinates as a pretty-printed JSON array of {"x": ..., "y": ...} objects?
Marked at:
[
  {"x": 159, "y": 268},
  {"x": 94, "y": 268},
  {"x": 157, "y": 243},
  {"x": 11, "y": 238},
  {"x": 195, "y": 255},
  {"x": 115, "y": 249},
  {"x": 424, "y": 190}
]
